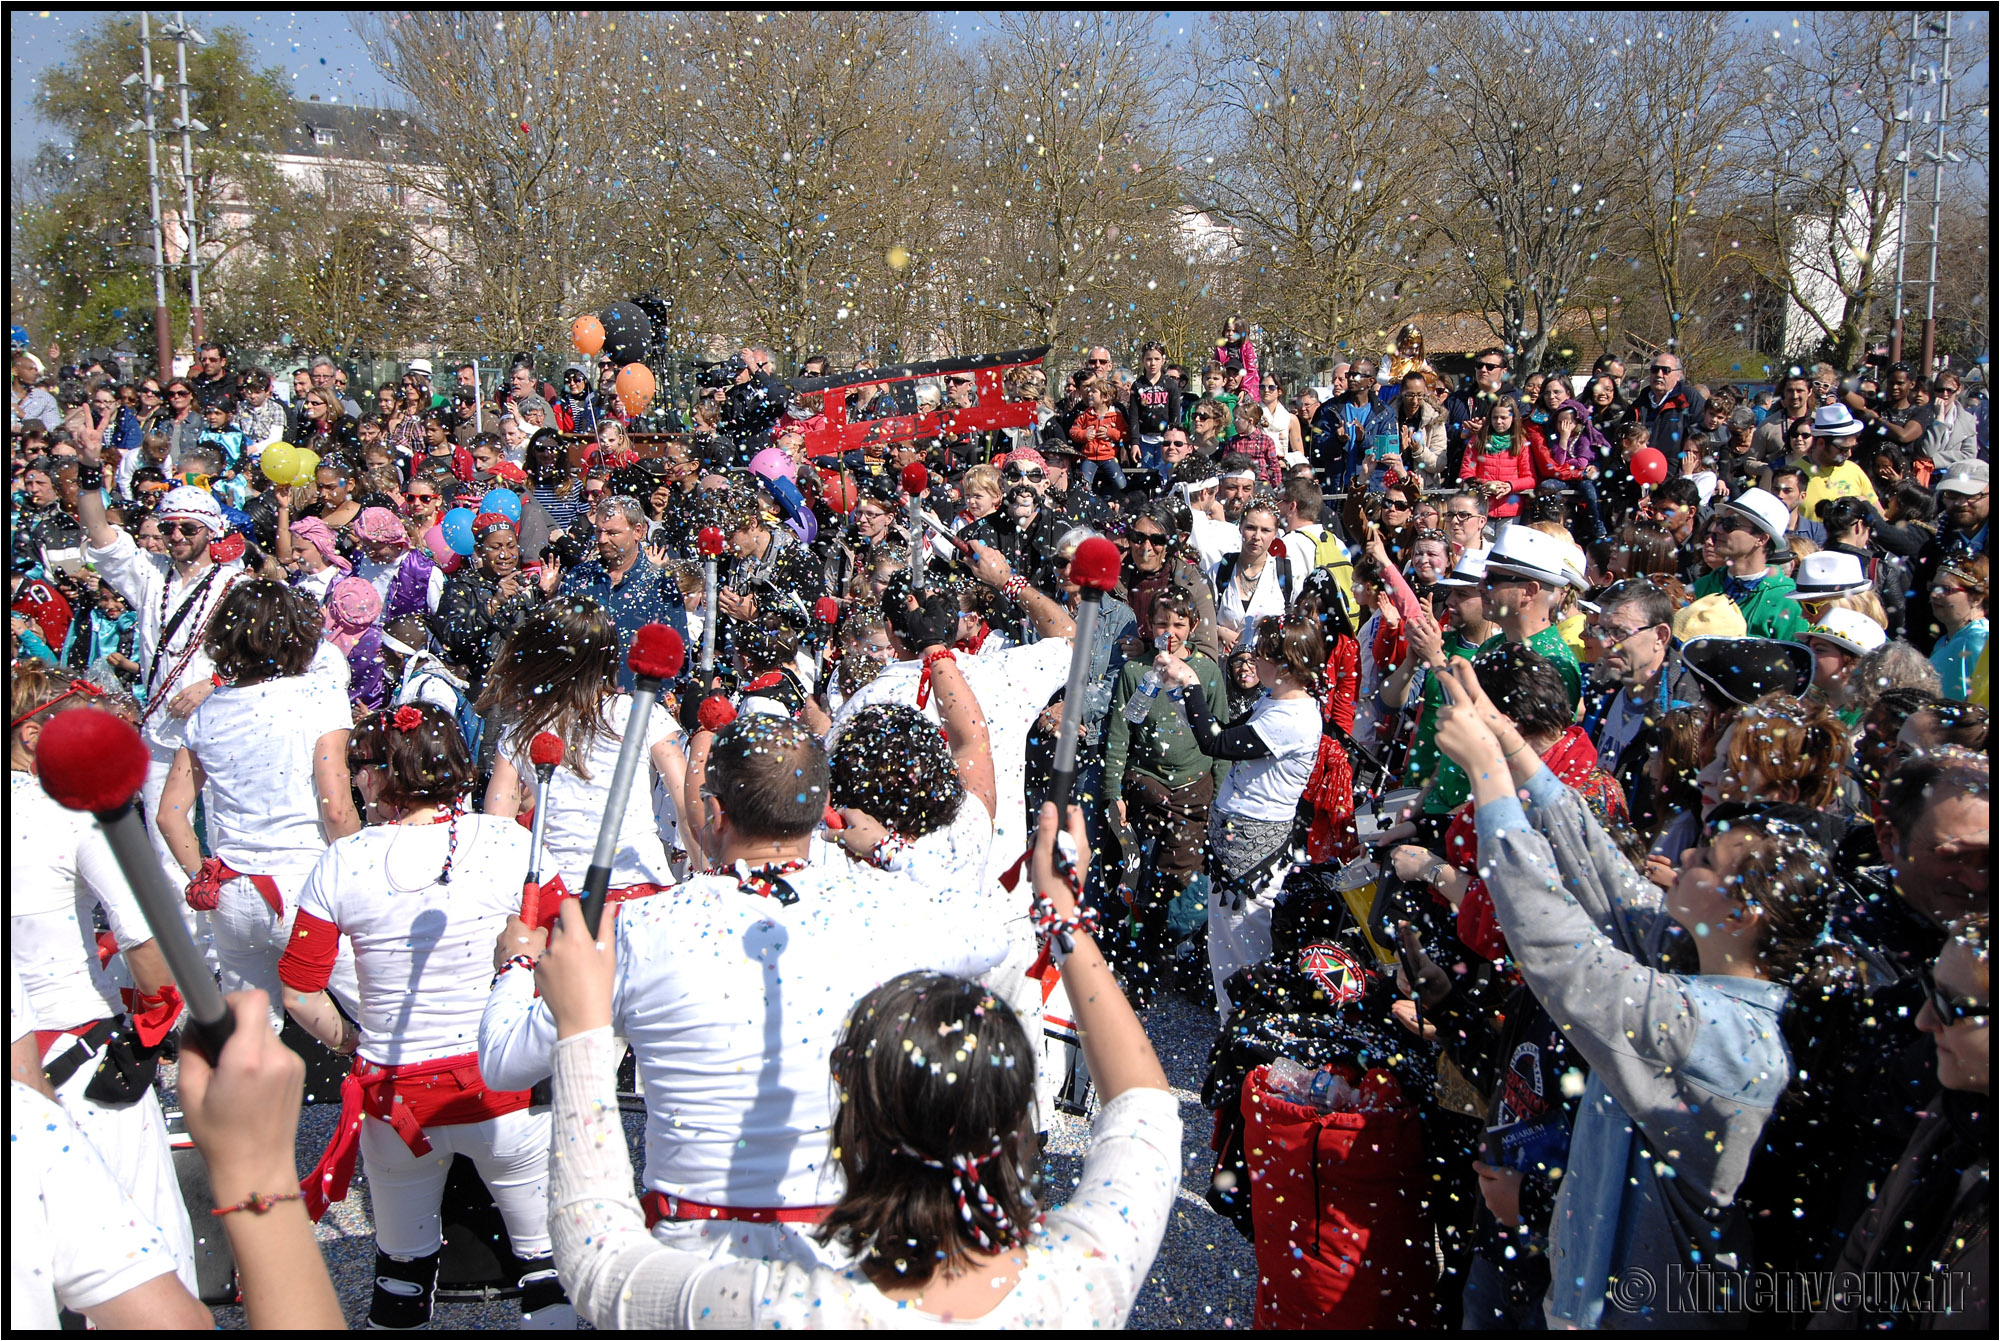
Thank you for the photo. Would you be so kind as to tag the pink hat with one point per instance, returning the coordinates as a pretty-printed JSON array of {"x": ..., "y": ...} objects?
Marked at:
[
  {"x": 352, "y": 606},
  {"x": 314, "y": 532},
  {"x": 379, "y": 526},
  {"x": 1027, "y": 456}
]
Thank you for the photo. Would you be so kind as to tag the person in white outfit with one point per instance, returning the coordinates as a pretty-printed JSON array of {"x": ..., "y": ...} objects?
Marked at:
[
  {"x": 267, "y": 753},
  {"x": 422, "y": 895},
  {"x": 937, "y": 1215},
  {"x": 61, "y": 876},
  {"x": 1251, "y": 824},
  {"x": 731, "y": 991},
  {"x": 558, "y": 673}
]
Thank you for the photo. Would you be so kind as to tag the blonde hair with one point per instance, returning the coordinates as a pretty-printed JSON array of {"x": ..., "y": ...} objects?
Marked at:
[
  {"x": 980, "y": 477},
  {"x": 1251, "y": 413},
  {"x": 1861, "y": 602},
  {"x": 1791, "y": 741}
]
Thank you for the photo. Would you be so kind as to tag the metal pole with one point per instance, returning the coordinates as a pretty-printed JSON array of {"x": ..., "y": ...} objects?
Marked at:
[
  {"x": 163, "y": 335},
  {"x": 1937, "y": 202},
  {"x": 195, "y": 324},
  {"x": 1903, "y": 205}
]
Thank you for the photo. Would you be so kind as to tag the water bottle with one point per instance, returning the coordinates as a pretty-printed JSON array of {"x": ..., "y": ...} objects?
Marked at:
[
  {"x": 1141, "y": 702},
  {"x": 1317, "y": 1090}
]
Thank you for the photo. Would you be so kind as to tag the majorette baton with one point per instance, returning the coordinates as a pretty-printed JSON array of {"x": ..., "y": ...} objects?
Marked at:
[
  {"x": 710, "y": 543},
  {"x": 916, "y": 479},
  {"x": 90, "y": 760},
  {"x": 545, "y": 751},
  {"x": 657, "y": 656},
  {"x": 1094, "y": 569}
]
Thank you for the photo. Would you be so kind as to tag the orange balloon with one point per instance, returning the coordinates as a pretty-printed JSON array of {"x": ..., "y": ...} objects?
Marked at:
[
  {"x": 635, "y": 388},
  {"x": 587, "y": 334}
]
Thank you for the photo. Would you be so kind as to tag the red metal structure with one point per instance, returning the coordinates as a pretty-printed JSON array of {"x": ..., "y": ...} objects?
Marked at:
[{"x": 846, "y": 421}]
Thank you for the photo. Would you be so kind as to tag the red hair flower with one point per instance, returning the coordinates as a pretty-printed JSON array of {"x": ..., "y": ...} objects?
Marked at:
[{"x": 408, "y": 718}]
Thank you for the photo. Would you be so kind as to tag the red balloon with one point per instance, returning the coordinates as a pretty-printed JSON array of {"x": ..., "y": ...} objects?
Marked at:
[{"x": 1649, "y": 465}]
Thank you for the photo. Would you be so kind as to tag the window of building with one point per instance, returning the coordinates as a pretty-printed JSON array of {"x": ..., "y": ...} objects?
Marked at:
[
  {"x": 391, "y": 142},
  {"x": 322, "y": 135}
]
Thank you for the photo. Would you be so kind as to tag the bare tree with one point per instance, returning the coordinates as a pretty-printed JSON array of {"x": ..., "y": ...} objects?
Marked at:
[
  {"x": 1524, "y": 197},
  {"x": 1322, "y": 167}
]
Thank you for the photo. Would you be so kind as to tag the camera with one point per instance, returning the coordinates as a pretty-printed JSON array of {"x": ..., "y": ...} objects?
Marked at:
[{"x": 721, "y": 374}]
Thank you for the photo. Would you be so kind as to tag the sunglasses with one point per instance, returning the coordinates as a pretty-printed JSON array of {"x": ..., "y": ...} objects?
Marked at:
[
  {"x": 415, "y": 497},
  {"x": 1663, "y": 368},
  {"x": 1395, "y": 505},
  {"x": 180, "y": 395},
  {"x": 190, "y": 530},
  {"x": 1723, "y": 524},
  {"x": 1031, "y": 476},
  {"x": 1158, "y": 538},
  {"x": 573, "y": 377},
  {"x": 1951, "y": 1010},
  {"x": 1492, "y": 367},
  {"x": 149, "y": 391}
]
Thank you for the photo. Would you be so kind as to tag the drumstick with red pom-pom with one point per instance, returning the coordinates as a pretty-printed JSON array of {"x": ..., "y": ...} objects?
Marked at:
[
  {"x": 91, "y": 760},
  {"x": 545, "y": 751},
  {"x": 710, "y": 543},
  {"x": 1095, "y": 571},
  {"x": 916, "y": 479},
  {"x": 656, "y": 656}
]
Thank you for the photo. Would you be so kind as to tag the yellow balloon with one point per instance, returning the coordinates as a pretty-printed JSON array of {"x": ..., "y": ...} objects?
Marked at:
[
  {"x": 280, "y": 462},
  {"x": 308, "y": 467}
]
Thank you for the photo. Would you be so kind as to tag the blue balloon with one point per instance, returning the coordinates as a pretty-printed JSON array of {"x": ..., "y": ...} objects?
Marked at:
[
  {"x": 504, "y": 501},
  {"x": 457, "y": 527}
]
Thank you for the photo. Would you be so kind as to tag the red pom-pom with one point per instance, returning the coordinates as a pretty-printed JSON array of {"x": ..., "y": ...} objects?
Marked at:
[
  {"x": 710, "y": 541},
  {"x": 1096, "y": 564},
  {"x": 226, "y": 550},
  {"x": 545, "y": 750},
  {"x": 90, "y": 760},
  {"x": 657, "y": 652},
  {"x": 1649, "y": 465},
  {"x": 830, "y": 818},
  {"x": 915, "y": 478},
  {"x": 715, "y": 713},
  {"x": 826, "y": 610}
]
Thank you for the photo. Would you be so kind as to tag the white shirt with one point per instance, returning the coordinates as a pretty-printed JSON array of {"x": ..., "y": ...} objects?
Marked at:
[
  {"x": 1213, "y": 539},
  {"x": 75, "y": 1239},
  {"x": 1267, "y": 594},
  {"x": 256, "y": 746},
  {"x": 141, "y": 578},
  {"x": 732, "y": 1002},
  {"x": 60, "y": 870},
  {"x": 423, "y": 951},
  {"x": 1270, "y": 788},
  {"x": 317, "y": 585},
  {"x": 576, "y": 805},
  {"x": 21, "y": 1018},
  {"x": 1278, "y": 423}
]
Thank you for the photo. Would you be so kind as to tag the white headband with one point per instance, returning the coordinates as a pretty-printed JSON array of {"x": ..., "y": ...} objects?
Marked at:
[{"x": 1236, "y": 475}]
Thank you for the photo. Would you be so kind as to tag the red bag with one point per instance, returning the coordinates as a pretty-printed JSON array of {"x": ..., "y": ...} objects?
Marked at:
[{"x": 1343, "y": 1241}]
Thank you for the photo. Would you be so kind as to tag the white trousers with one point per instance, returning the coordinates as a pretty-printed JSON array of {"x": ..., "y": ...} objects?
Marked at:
[
  {"x": 406, "y": 1191},
  {"x": 1009, "y": 981},
  {"x": 250, "y": 939},
  {"x": 133, "y": 1142},
  {"x": 198, "y": 924}
]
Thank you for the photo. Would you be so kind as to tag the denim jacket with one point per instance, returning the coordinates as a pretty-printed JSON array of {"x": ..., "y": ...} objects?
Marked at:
[{"x": 1688, "y": 1066}]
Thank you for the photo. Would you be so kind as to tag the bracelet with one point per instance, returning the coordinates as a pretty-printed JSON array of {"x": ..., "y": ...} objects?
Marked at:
[
  {"x": 90, "y": 477},
  {"x": 892, "y": 846},
  {"x": 1509, "y": 754},
  {"x": 516, "y": 961},
  {"x": 935, "y": 655},
  {"x": 1013, "y": 587},
  {"x": 257, "y": 1203}
]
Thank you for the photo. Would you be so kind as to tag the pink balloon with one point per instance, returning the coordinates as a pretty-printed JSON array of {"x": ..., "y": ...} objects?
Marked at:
[
  {"x": 774, "y": 463},
  {"x": 441, "y": 553}
]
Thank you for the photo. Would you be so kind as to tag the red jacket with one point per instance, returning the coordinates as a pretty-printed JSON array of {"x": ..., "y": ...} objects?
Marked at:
[
  {"x": 1515, "y": 469},
  {"x": 1096, "y": 448},
  {"x": 1546, "y": 465}
]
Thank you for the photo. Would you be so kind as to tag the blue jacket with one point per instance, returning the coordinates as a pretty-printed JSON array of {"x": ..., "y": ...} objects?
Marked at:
[
  {"x": 647, "y": 595},
  {"x": 1685, "y": 1068}
]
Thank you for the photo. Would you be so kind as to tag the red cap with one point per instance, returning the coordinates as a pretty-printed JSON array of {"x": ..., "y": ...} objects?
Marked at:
[
  {"x": 710, "y": 541},
  {"x": 715, "y": 713},
  {"x": 1095, "y": 564},
  {"x": 226, "y": 550},
  {"x": 657, "y": 652},
  {"x": 90, "y": 760},
  {"x": 826, "y": 610},
  {"x": 916, "y": 479},
  {"x": 546, "y": 749}
]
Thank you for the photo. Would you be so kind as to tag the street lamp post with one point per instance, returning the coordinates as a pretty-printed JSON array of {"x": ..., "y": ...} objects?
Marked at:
[
  {"x": 163, "y": 335},
  {"x": 1937, "y": 201},
  {"x": 182, "y": 35}
]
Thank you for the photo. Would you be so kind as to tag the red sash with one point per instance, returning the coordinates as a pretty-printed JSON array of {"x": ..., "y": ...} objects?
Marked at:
[
  {"x": 204, "y": 891},
  {"x": 546, "y": 909},
  {"x": 659, "y": 1206},
  {"x": 445, "y": 1093}
]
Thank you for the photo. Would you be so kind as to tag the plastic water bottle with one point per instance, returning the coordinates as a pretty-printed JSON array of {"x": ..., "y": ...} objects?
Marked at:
[
  {"x": 1322, "y": 1091},
  {"x": 1141, "y": 702}
]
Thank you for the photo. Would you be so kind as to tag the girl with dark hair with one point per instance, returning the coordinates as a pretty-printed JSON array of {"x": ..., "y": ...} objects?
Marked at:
[
  {"x": 486, "y": 599},
  {"x": 558, "y": 672},
  {"x": 423, "y": 893},
  {"x": 267, "y": 755},
  {"x": 1274, "y": 748},
  {"x": 940, "y": 1212}
]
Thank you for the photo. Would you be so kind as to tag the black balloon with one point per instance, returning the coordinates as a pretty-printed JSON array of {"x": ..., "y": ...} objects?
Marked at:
[{"x": 626, "y": 332}]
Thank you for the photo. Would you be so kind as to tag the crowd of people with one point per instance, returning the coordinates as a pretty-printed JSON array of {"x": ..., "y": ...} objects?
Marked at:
[{"x": 1568, "y": 790}]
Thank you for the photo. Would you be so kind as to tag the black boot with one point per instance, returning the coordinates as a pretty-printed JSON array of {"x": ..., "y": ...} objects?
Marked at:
[
  {"x": 404, "y": 1288},
  {"x": 544, "y": 1305}
]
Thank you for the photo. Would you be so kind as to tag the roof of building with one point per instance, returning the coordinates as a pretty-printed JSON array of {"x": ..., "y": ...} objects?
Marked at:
[{"x": 336, "y": 131}]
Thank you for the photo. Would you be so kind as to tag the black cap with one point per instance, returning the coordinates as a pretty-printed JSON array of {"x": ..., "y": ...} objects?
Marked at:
[{"x": 1743, "y": 670}]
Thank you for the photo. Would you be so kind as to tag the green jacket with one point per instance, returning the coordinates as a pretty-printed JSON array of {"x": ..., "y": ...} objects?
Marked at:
[
  {"x": 1423, "y": 750},
  {"x": 1164, "y": 748},
  {"x": 1770, "y": 612},
  {"x": 1452, "y": 787}
]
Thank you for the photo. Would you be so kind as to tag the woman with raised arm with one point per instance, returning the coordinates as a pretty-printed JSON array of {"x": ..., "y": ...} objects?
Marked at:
[
  {"x": 558, "y": 673},
  {"x": 941, "y": 1209}
]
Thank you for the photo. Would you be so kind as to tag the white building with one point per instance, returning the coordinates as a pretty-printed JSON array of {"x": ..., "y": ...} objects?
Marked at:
[{"x": 1824, "y": 265}]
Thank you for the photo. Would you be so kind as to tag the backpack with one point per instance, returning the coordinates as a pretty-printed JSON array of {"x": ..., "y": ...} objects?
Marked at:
[
  {"x": 471, "y": 726},
  {"x": 1329, "y": 555}
]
